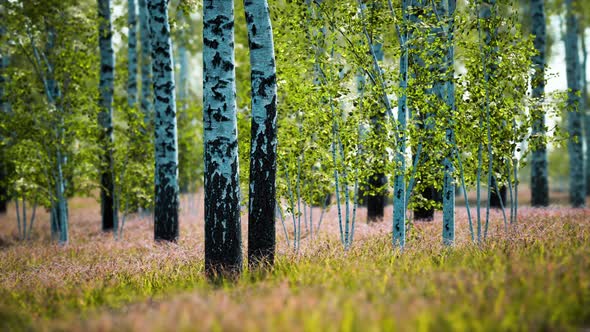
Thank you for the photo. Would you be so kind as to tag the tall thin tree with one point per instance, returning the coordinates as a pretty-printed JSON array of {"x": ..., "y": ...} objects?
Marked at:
[
  {"x": 59, "y": 205},
  {"x": 166, "y": 139},
  {"x": 181, "y": 42},
  {"x": 263, "y": 145},
  {"x": 399, "y": 182},
  {"x": 448, "y": 232},
  {"x": 223, "y": 244},
  {"x": 105, "y": 117},
  {"x": 132, "y": 53},
  {"x": 586, "y": 103},
  {"x": 539, "y": 180},
  {"x": 3, "y": 108},
  {"x": 182, "y": 57},
  {"x": 573, "y": 69},
  {"x": 146, "y": 63}
]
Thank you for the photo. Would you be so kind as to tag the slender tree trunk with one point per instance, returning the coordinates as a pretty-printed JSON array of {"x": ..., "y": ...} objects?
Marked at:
[
  {"x": 166, "y": 142},
  {"x": 586, "y": 108},
  {"x": 3, "y": 191},
  {"x": 183, "y": 62},
  {"x": 54, "y": 220},
  {"x": 573, "y": 68},
  {"x": 223, "y": 245},
  {"x": 105, "y": 117},
  {"x": 183, "y": 88},
  {"x": 539, "y": 179},
  {"x": 132, "y": 53},
  {"x": 448, "y": 232},
  {"x": 4, "y": 108},
  {"x": 263, "y": 145},
  {"x": 399, "y": 182},
  {"x": 53, "y": 93},
  {"x": 183, "y": 74},
  {"x": 58, "y": 218},
  {"x": 146, "y": 64},
  {"x": 62, "y": 203}
]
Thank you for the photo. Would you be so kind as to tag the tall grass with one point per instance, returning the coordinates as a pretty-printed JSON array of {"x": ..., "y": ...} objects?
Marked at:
[{"x": 535, "y": 276}]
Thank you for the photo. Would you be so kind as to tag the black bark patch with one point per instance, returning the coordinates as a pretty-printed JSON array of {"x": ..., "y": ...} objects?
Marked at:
[
  {"x": 216, "y": 25},
  {"x": 228, "y": 26},
  {"x": 265, "y": 83},
  {"x": 261, "y": 213},
  {"x": 166, "y": 207},
  {"x": 228, "y": 66},
  {"x": 223, "y": 247},
  {"x": 249, "y": 17},
  {"x": 216, "y": 60},
  {"x": 211, "y": 43},
  {"x": 253, "y": 45},
  {"x": 219, "y": 116},
  {"x": 104, "y": 68}
]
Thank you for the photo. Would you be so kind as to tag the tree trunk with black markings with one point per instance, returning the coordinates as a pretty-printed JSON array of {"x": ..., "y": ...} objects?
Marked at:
[
  {"x": 263, "y": 145},
  {"x": 223, "y": 244},
  {"x": 166, "y": 141},
  {"x": 105, "y": 117}
]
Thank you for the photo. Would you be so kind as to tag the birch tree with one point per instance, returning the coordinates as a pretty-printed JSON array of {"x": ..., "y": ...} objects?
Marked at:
[
  {"x": 132, "y": 53},
  {"x": 146, "y": 63},
  {"x": 166, "y": 145},
  {"x": 262, "y": 194},
  {"x": 182, "y": 51},
  {"x": 539, "y": 172},
  {"x": 399, "y": 182},
  {"x": 573, "y": 68},
  {"x": 448, "y": 190},
  {"x": 105, "y": 117},
  {"x": 52, "y": 106},
  {"x": 4, "y": 61},
  {"x": 585, "y": 10},
  {"x": 223, "y": 247}
]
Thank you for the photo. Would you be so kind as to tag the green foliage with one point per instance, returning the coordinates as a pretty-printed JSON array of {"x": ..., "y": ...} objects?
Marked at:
[
  {"x": 39, "y": 124},
  {"x": 320, "y": 109},
  {"x": 507, "y": 60},
  {"x": 133, "y": 148},
  {"x": 321, "y": 102}
]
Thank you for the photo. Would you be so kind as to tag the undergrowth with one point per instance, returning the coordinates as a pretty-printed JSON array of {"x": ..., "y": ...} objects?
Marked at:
[{"x": 536, "y": 276}]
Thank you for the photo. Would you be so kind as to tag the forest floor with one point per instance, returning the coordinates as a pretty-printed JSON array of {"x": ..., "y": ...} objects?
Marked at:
[{"x": 533, "y": 275}]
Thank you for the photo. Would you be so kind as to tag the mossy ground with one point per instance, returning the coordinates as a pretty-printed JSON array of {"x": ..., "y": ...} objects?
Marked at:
[{"x": 533, "y": 276}]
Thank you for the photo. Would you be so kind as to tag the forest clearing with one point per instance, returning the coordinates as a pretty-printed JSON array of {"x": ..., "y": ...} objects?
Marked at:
[{"x": 278, "y": 165}]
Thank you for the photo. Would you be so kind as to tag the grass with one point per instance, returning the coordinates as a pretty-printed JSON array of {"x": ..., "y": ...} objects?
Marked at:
[{"x": 536, "y": 276}]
